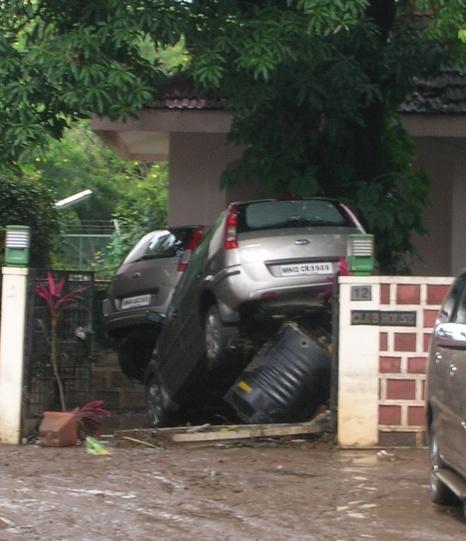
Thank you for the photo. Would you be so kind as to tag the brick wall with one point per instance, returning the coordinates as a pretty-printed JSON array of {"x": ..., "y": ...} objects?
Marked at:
[
  {"x": 403, "y": 357},
  {"x": 383, "y": 343},
  {"x": 109, "y": 384}
]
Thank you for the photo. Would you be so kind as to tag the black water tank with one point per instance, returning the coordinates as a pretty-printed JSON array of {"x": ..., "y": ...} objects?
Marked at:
[{"x": 285, "y": 382}]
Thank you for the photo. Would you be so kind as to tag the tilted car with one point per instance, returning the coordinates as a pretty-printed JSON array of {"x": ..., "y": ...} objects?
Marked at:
[
  {"x": 145, "y": 280},
  {"x": 259, "y": 262},
  {"x": 445, "y": 399}
]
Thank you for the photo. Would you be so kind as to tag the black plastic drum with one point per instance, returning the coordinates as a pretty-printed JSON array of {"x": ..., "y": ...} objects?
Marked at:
[{"x": 285, "y": 382}]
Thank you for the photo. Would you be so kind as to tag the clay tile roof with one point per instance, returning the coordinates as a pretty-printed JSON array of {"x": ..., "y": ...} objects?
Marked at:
[
  {"x": 179, "y": 94},
  {"x": 443, "y": 93}
]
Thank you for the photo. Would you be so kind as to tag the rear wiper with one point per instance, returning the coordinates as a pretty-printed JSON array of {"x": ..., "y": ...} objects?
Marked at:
[{"x": 311, "y": 222}]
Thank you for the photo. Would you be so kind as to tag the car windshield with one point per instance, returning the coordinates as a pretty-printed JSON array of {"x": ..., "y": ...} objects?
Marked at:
[{"x": 291, "y": 213}]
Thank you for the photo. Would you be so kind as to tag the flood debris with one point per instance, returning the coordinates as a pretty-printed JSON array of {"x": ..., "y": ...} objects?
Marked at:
[
  {"x": 386, "y": 455},
  {"x": 211, "y": 435},
  {"x": 95, "y": 447},
  {"x": 286, "y": 381}
]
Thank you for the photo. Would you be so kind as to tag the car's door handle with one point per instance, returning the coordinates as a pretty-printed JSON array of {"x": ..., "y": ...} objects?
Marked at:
[
  {"x": 438, "y": 358},
  {"x": 136, "y": 275},
  {"x": 452, "y": 369}
]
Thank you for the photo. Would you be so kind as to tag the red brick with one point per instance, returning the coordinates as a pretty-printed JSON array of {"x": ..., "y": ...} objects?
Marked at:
[
  {"x": 383, "y": 341},
  {"x": 436, "y": 294},
  {"x": 416, "y": 365},
  {"x": 400, "y": 389},
  {"x": 384, "y": 294},
  {"x": 416, "y": 416},
  {"x": 426, "y": 341},
  {"x": 390, "y": 415},
  {"x": 390, "y": 364},
  {"x": 429, "y": 317},
  {"x": 408, "y": 294},
  {"x": 405, "y": 341}
]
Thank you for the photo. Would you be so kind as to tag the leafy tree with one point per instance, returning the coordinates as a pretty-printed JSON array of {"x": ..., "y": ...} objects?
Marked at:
[
  {"x": 26, "y": 201},
  {"x": 78, "y": 161},
  {"x": 313, "y": 84},
  {"x": 132, "y": 192},
  {"x": 145, "y": 210}
]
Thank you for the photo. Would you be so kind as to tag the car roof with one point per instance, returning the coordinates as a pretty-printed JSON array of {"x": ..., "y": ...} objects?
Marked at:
[{"x": 285, "y": 198}]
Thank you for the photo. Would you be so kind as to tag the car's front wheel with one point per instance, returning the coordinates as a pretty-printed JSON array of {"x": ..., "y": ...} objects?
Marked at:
[
  {"x": 156, "y": 403},
  {"x": 440, "y": 493},
  {"x": 218, "y": 337}
]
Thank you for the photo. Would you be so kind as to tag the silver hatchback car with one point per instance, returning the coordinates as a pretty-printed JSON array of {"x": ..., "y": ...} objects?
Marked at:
[{"x": 260, "y": 261}]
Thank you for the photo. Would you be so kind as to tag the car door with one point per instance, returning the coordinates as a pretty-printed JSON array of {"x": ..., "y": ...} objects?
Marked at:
[
  {"x": 449, "y": 389},
  {"x": 454, "y": 357},
  {"x": 182, "y": 340}
]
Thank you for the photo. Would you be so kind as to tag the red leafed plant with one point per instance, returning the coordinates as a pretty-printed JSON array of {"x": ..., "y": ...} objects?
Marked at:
[
  {"x": 89, "y": 417},
  {"x": 53, "y": 294}
]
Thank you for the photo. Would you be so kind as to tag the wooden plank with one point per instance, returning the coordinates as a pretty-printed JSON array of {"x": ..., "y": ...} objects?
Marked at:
[
  {"x": 246, "y": 432},
  {"x": 208, "y": 433}
]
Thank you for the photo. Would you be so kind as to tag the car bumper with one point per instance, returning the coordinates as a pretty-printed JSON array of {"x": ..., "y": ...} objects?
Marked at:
[
  {"x": 117, "y": 320},
  {"x": 236, "y": 289}
]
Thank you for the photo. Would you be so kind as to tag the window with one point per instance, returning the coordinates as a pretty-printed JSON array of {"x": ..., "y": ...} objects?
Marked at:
[
  {"x": 455, "y": 300},
  {"x": 291, "y": 213}
]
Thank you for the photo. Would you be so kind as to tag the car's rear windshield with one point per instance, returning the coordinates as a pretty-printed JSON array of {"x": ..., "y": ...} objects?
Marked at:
[
  {"x": 273, "y": 214},
  {"x": 159, "y": 244}
]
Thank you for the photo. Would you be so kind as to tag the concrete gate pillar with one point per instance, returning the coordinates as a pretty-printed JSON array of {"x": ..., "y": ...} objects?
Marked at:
[{"x": 11, "y": 352}]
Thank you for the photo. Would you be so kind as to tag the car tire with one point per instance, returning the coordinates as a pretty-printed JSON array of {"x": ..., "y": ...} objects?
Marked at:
[
  {"x": 134, "y": 353},
  {"x": 156, "y": 403},
  {"x": 218, "y": 337},
  {"x": 440, "y": 493}
]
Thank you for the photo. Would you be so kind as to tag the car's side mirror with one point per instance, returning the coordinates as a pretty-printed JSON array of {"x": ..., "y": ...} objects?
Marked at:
[
  {"x": 156, "y": 317},
  {"x": 450, "y": 335}
]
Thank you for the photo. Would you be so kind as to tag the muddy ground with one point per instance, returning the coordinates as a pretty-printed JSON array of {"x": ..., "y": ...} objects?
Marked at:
[{"x": 294, "y": 491}]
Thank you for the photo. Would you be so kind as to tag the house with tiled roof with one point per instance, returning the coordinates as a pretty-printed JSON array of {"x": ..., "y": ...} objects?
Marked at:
[{"x": 191, "y": 134}]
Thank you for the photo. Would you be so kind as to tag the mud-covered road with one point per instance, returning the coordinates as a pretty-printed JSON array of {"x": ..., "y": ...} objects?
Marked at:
[{"x": 297, "y": 491}]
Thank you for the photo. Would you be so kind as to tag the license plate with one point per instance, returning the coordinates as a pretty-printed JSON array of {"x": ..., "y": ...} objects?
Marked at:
[
  {"x": 134, "y": 302},
  {"x": 297, "y": 269}
]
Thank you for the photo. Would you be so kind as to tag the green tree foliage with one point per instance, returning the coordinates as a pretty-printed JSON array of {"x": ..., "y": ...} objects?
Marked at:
[
  {"x": 24, "y": 200},
  {"x": 144, "y": 210},
  {"x": 313, "y": 84},
  {"x": 132, "y": 192},
  {"x": 79, "y": 161}
]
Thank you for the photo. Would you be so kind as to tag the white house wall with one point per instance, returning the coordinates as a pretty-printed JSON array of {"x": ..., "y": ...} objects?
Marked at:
[
  {"x": 442, "y": 250},
  {"x": 196, "y": 164}
]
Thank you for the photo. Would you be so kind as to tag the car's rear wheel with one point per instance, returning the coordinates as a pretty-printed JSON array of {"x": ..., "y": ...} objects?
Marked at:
[
  {"x": 134, "y": 352},
  {"x": 440, "y": 493},
  {"x": 218, "y": 337},
  {"x": 156, "y": 403}
]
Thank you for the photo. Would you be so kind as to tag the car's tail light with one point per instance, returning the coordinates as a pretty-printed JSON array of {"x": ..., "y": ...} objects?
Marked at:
[
  {"x": 190, "y": 247},
  {"x": 230, "y": 238}
]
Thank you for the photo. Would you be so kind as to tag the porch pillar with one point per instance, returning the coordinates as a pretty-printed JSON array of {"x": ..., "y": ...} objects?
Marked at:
[{"x": 11, "y": 352}]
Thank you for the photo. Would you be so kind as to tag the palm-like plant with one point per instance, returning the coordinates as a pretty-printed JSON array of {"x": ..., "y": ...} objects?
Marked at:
[
  {"x": 89, "y": 418},
  {"x": 53, "y": 293}
]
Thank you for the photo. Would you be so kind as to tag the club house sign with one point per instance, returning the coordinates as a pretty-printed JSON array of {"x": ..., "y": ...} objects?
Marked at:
[{"x": 384, "y": 318}]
